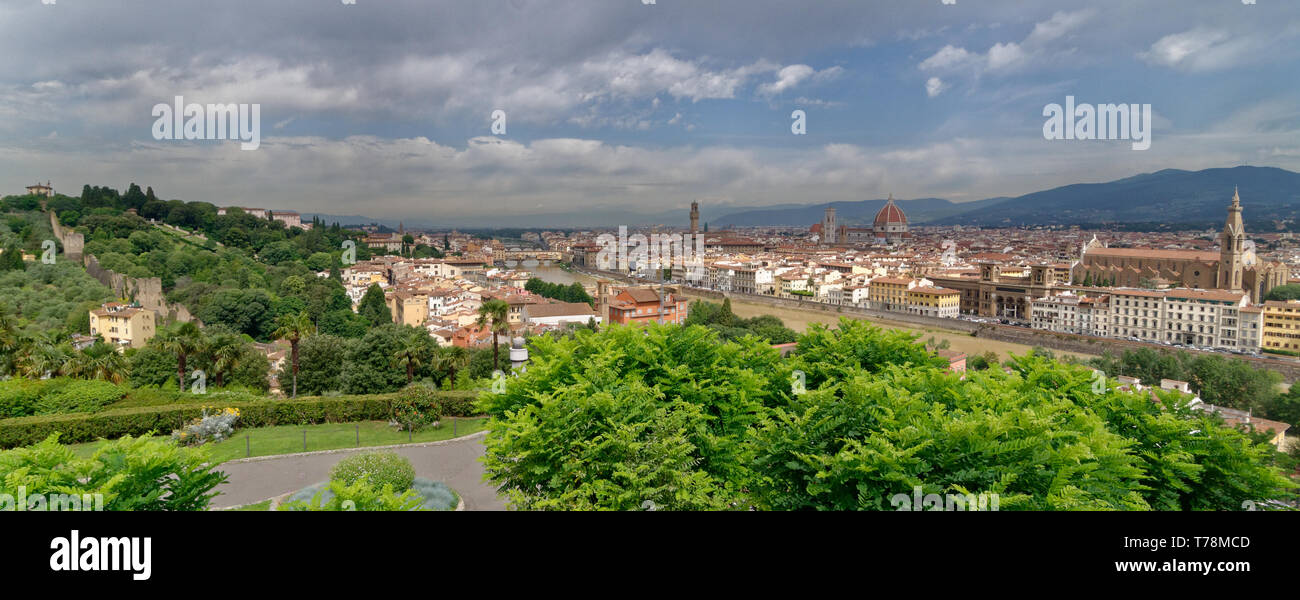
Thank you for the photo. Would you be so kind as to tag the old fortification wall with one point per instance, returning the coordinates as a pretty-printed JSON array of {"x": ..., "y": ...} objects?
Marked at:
[
  {"x": 145, "y": 290},
  {"x": 74, "y": 243}
]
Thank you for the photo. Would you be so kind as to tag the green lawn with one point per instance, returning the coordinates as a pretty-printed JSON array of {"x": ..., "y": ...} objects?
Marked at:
[
  {"x": 264, "y": 505},
  {"x": 287, "y": 439}
]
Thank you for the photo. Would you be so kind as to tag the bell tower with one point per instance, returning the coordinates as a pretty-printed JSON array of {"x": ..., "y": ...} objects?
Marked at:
[
  {"x": 829, "y": 230},
  {"x": 1231, "y": 244}
]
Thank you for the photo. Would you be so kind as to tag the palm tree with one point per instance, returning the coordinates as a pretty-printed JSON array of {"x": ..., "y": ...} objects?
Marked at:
[
  {"x": 10, "y": 343},
  {"x": 226, "y": 351},
  {"x": 294, "y": 328},
  {"x": 182, "y": 339},
  {"x": 452, "y": 359},
  {"x": 41, "y": 356},
  {"x": 99, "y": 361},
  {"x": 496, "y": 313},
  {"x": 414, "y": 352}
]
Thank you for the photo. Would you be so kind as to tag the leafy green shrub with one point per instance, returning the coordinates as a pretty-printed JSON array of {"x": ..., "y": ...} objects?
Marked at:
[
  {"x": 141, "y": 420},
  {"x": 457, "y": 404},
  {"x": 18, "y": 397},
  {"x": 131, "y": 473},
  {"x": 380, "y": 468},
  {"x": 612, "y": 419},
  {"x": 80, "y": 397},
  {"x": 360, "y": 496},
  {"x": 414, "y": 407}
]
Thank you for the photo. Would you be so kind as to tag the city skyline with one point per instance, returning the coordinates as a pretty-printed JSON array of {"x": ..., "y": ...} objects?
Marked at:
[{"x": 388, "y": 110}]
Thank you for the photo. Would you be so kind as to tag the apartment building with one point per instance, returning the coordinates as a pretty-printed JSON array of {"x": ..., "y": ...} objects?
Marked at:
[
  {"x": 1136, "y": 313},
  {"x": 1212, "y": 318},
  {"x": 1281, "y": 330},
  {"x": 890, "y": 293},
  {"x": 855, "y": 295},
  {"x": 1203, "y": 317},
  {"x": 933, "y": 301},
  {"x": 559, "y": 314},
  {"x": 123, "y": 325},
  {"x": 1055, "y": 313},
  {"x": 641, "y": 305},
  {"x": 1094, "y": 316},
  {"x": 408, "y": 307}
]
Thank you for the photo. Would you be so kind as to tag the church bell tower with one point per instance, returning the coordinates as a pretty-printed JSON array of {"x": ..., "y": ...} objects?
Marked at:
[{"x": 1231, "y": 245}]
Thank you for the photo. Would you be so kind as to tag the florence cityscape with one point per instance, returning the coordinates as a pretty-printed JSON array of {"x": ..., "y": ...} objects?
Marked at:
[{"x": 652, "y": 256}]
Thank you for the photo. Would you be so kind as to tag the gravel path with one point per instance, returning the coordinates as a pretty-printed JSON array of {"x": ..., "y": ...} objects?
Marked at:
[{"x": 454, "y": 462}]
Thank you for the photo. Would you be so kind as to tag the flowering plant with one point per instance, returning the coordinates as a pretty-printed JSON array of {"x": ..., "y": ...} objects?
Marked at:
[{"x": 213, "y": 427}]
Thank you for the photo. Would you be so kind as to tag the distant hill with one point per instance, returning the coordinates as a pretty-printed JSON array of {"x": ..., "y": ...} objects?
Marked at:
[
  {"x": 860, "y": 212},
  {"x": 1270, "y": 197}
]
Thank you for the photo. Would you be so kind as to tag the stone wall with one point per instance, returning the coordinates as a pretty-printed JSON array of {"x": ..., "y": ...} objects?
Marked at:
[
  {"x": 145, "y": 290},
  {"x": 74, "y": 243}
]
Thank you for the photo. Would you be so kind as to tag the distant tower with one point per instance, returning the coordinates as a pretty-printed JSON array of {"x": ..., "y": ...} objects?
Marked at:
[
  {"x": 695, "y": 217},
  {"x": 829, "y": 230},
  {"x": 1231, "y": 244}
]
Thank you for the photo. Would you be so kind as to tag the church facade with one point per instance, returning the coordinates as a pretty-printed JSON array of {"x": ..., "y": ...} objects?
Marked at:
[
  {"x": 1235, "y": 267},
  {"x": 889, "y": 227}
]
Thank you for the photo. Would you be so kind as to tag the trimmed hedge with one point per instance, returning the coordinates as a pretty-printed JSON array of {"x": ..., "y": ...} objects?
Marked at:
[{"x": 114, "y": 423}]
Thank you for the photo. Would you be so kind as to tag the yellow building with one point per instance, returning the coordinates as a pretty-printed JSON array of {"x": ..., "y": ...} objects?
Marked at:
[
  {"x": 122, "y": 325},
  {"x": 889, "y": 293},
  {"x": 934, "y": 302},
  {"x": 408, "y": 308},
  {"x": 1281, "y": 326}
]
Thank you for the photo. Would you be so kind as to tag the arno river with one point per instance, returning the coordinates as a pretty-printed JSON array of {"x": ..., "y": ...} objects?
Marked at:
[{"x": 799, "y": 320}]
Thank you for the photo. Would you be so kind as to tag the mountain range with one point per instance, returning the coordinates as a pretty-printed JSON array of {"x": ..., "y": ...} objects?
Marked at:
[{"x": 1269, "y": 195}]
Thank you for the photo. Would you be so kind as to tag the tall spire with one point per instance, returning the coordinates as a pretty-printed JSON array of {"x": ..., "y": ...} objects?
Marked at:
[{"x": 1231, "y": 244}]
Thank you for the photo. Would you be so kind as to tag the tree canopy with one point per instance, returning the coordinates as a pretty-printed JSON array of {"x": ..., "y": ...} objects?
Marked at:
[{"x": 678, "y": 418}]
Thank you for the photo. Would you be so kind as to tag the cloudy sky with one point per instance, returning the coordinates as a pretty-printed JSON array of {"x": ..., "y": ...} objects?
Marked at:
[{"x": 384, "y": 107}]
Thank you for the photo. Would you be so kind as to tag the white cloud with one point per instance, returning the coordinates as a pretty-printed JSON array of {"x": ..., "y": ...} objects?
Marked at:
[
  {"x": 1007, "y": 56},
  {"x": 790, "y": 77},
  {"x": 1058, "y": 26},
  {"x": 1197, "y": 50},
  {"x": 934, "y": 86},
  {"x": 948, "y": 58},
  {"x": 785, "y": 79}
]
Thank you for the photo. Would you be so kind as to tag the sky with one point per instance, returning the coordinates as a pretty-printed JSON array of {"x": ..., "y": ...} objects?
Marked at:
[{"x": 384, "y": 108}]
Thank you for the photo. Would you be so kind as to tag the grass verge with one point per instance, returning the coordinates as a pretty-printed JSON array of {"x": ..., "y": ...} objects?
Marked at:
[{"x": 288, "y": 439}]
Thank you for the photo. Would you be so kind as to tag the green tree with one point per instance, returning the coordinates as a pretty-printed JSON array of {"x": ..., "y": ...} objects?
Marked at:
[
  {"x": 225, "y": 352},
  {"x": 12, "y": 258},
  {"x": 321, "y": 358},
  {"x": 613, "y": 419},
  {"x": 414, "y": 352},
  {"x": 494, "y": 314},
  {"x": 41, "y": 355},
  {"x": 368, "y": 367},
  {"x": 1282, "y": 293},
  {"x": 151, "y": 366},
  {"x": 373, "y": 307},
  {"x": 99, "y": 361},
  {"x": 182, "y": 340},
  {"x": 294, "y": 328},
  {"x": 451, "y": 360}
]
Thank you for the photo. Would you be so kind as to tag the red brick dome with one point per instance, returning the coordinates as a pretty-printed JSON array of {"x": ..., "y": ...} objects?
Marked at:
[{"x": 890, "y": 214}]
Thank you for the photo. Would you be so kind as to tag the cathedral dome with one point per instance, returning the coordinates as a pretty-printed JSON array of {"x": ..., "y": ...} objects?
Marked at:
[{"x": 890, "y": 214}]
